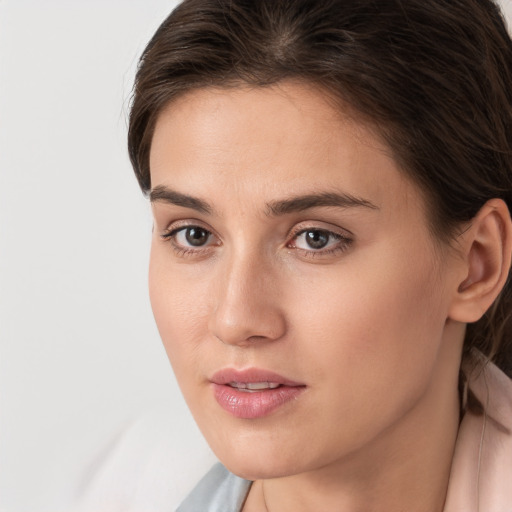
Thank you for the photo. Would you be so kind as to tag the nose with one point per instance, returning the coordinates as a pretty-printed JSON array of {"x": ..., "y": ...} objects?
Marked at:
[{"x": 246, "y": 306}]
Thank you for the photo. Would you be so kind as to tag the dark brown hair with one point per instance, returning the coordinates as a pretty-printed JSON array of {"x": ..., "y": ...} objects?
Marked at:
[{"x": 434, "y": 77}]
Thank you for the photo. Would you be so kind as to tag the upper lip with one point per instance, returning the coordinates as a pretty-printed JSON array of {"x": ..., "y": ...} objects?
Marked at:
[{"x": 250, "y": 375}]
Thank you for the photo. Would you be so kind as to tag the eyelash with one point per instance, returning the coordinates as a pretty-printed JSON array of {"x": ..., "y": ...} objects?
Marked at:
[
  {"x": 343, "y": 242},
  {"x": 180, "y": 250}
]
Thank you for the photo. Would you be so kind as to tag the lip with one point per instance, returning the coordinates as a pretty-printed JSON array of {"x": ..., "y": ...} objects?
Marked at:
[{"x": 255, "y": 403}]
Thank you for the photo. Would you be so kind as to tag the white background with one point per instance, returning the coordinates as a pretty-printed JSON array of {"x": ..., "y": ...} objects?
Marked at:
[{"x": 80, "y": 357}]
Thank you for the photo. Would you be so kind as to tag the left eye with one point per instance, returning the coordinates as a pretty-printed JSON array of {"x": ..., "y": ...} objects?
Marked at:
[
  {"x": 191, "y": 236},
  {"x": 316, "y": 239}
]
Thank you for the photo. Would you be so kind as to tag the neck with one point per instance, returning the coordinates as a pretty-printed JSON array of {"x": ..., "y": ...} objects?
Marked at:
[{"x": 406, "y": 468}]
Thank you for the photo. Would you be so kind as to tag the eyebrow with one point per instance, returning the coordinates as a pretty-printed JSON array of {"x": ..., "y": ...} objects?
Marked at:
[
  {"x": 166, "y": 195},
  {"x": 274, "y": 208},
  {"x": 325, "y": 199}
]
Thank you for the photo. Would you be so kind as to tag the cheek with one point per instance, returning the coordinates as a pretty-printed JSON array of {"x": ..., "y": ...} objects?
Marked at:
[
  {"x": 378, "y": 325},
  {"x": 180, "y": 306}
]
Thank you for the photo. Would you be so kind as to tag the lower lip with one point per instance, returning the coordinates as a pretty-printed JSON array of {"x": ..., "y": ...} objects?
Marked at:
[{"x": 254, "y": 404}]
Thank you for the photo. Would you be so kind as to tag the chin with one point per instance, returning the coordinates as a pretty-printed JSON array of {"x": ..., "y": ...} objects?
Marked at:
[
  {"x": 263, "y": 460},
  {"x": 250, "y": 470}
]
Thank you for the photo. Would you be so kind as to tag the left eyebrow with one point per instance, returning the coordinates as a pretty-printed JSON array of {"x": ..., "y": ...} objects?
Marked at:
[{"x": 302, "y": 203}]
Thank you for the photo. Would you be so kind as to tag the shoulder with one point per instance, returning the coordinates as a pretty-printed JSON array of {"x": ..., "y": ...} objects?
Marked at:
[
  {"x": 218, "y": 491},
  {"x": 482, "y": 464}
]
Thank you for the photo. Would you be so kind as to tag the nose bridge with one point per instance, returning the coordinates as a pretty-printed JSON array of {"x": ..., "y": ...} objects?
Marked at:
[{"x": 246, "y": 306}]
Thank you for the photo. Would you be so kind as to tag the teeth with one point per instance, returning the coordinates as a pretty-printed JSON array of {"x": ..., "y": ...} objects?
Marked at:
[{"x": 253, "y": 386}]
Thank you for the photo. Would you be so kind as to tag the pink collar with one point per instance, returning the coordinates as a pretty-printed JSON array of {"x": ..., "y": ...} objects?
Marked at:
[{"x": 481, "y": 474}]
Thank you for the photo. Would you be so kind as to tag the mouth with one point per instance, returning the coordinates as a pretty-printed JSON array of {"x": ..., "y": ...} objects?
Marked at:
[
  {"x": 253, "y": 393},
  {"x": 251, "y": 387}
]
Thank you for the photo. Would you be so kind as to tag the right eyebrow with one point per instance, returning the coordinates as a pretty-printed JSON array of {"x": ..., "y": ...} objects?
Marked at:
[{"x": 166, "y": 195}]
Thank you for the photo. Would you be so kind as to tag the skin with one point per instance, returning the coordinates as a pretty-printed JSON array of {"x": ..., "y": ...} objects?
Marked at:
[{"x": 365, "y": 323}]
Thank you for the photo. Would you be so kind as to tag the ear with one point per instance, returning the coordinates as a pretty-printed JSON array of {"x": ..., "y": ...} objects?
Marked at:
[{"x": 486, "y": 255}]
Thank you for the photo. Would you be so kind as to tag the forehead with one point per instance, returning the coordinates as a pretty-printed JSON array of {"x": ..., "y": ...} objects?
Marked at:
[{"x": 265, "y": 141}]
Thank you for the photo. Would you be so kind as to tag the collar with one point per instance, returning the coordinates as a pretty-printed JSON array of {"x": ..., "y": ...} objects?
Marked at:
[{"x": 481, "y": 473}]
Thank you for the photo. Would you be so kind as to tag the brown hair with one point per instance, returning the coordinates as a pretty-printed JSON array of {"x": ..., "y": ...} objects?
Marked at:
[{"x": 435, "y": 77}]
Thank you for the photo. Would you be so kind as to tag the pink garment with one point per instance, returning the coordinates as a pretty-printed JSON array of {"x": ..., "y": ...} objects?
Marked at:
[{"x": 481, "y": 474}]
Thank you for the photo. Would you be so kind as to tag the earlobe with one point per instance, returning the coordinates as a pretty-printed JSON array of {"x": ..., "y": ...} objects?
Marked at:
[{"x": 486, "y": 258}]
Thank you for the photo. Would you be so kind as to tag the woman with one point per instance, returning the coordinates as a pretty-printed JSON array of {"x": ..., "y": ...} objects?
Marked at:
[{"x": 331, "y": 184}]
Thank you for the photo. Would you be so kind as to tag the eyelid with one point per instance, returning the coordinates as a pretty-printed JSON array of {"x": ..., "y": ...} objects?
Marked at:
[
  {"x": 186, "y": 223},
  {"x": 174, "y": 232},
  {"x": 344, "y": 240},
  {"x": 170, "y": 233},
  {"x": 320, "y": 226}
]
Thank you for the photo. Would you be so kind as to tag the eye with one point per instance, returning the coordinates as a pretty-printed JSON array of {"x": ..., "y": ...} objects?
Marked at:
[
  {"x": 316, "y": 242},
  {"x": 315, "y": 238},
  {"x": 194, "y": 236},
  {"x": 188, "y": 238}
]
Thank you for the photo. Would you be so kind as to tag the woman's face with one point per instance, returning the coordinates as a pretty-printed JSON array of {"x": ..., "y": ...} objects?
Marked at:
[{"x": 294, "y": 280}]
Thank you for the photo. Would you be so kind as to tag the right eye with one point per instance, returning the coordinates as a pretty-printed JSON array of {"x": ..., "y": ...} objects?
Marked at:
[
  {"x": 193, "y": 236},
  {"x": 188, "y": 238}
]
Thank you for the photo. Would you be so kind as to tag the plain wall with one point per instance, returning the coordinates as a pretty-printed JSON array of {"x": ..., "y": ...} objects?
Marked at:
[{"x": 80, "y": 357}]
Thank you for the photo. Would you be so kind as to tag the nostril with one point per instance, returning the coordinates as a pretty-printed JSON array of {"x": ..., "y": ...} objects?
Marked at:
[
  {"x": 257, "y": 338},
  {"x": 245, "y": 308},
  {"x": 249, "y": 332}
]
